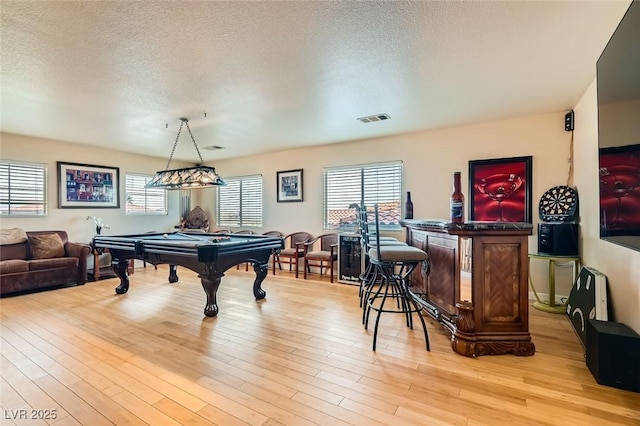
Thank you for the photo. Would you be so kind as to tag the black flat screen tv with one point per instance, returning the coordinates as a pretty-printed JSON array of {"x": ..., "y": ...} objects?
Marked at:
[{"x": 618, "y": 82}]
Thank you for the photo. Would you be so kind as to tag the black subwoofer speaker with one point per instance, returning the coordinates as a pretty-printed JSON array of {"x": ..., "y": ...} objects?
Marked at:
[
  {"x": 613, "y": 354},
  {"x": 558, "y": 238}
]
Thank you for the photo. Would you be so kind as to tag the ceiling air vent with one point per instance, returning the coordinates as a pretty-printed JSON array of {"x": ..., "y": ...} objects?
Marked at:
[
  {"x": 212, "y": 147},
  {"x": 372, "y": 118}
]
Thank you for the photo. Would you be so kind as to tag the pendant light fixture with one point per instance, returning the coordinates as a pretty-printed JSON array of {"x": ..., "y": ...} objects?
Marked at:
[{"x": 191, "y": 177}]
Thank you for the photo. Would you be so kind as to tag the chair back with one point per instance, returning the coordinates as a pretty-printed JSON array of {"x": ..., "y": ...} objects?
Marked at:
[
  {"x": 376, "y": 237},
  {"x": 364, "y": 226},
  {"x": 298, "y": 237},
  {"x": 273, "y": 234},
  {"x": 328, "y": 240},
  {"x": 245, "y": 231},
  {"x": 196, "y": 219},
  {"x": 372, "y": 238}
]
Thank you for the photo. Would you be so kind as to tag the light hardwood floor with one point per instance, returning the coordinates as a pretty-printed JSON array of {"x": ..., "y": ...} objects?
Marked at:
[{"x": 299, "y": 357}]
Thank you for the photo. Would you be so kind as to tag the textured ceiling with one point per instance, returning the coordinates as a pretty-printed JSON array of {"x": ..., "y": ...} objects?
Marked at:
[{"x": 279, "y": 75}]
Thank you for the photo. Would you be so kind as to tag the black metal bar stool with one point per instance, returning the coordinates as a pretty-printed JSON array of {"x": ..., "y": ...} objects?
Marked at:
[
  {"x": 394, "y": 265},
  {"x": 370, "y": 277}
]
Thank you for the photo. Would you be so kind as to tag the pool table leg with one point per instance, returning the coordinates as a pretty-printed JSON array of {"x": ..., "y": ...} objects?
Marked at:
[
  {"x": 173, "y": 273},
  {"x": 210, "y": 286},
  {"x": 261, "y": 274},
  {"x": 120, "y": 268}
]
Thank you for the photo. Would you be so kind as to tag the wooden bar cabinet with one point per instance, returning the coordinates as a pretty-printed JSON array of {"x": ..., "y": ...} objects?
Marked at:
[{"x": 485, "y": 310}]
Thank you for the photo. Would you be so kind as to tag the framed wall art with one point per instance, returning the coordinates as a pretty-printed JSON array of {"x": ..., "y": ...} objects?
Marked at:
[
  {"x": 290, "y": 186},
  {"x": 619, "y": 170},
  {"x": 85, "y": 186},
  {"x": 500, "y": 189}
]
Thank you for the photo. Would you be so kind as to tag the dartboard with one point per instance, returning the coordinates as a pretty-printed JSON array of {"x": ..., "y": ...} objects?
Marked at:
[{"x": 559, "y": 203}]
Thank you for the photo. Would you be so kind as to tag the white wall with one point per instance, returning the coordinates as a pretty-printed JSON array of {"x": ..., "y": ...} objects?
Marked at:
[
  {"x": 23, "y": 148},
  {"x": 620, "y": 265}
]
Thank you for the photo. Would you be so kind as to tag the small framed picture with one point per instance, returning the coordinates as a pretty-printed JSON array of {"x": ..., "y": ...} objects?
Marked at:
[
  {"x": 289, "y": 186},
  {"x": 86, "y": 186},
  {"x": 500, "y": 189}
]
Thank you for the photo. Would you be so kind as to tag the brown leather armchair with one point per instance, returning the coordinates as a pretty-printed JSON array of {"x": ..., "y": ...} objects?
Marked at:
[
  {"x": 293, "y": 251},
  {"x": 324, "y": 256}
]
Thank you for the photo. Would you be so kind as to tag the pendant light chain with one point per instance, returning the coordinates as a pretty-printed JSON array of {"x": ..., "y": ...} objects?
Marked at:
[
  {"x": 176, "y": 142},
  {"x": 194, "y": 141},
  {"x": 184, "y": 121}
]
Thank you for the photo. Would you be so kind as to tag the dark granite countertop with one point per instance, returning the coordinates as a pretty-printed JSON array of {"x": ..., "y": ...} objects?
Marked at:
[{"x": 473, "y": 225}]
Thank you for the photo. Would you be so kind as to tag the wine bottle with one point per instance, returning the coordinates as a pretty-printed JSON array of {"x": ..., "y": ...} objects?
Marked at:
[
  {"x": 457, "y": 201},
  {"x": 408, "y": 207}
]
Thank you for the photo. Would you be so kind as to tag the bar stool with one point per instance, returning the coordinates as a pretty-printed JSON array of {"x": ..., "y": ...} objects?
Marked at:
[
  {"x": 394, "y": 264},
  {"x": 369, "y": 277}
]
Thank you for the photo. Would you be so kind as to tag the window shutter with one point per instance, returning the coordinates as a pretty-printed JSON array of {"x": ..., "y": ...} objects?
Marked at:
[
  {"x": 240, "y": 202},
  {"x": 141, "y": 200},
  {"x": 229, "y": 203},
  {"x": 23, "y": 189},
  {"x": 383, "y": 186},
  {"x": 368, "y": 184},
  {"x": 251, "y": 201}
]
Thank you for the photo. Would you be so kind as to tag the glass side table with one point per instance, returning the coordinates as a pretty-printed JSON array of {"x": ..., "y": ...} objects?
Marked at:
[{"x": 551, "y": 305}]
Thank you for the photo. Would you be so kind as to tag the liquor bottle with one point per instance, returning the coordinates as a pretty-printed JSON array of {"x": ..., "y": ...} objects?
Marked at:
[
  {"x": 457, "y": 201},
  {"x": 408, "y": 207}
]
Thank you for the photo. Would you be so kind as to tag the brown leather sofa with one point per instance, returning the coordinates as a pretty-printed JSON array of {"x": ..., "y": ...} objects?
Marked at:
[{"x": 41, "y": 259}]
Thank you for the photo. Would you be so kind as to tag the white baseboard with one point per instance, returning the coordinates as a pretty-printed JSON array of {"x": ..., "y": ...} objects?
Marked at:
[{"x": 560, "y": 299}]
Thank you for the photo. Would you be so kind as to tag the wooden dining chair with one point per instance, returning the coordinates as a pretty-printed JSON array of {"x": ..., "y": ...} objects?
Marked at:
[
  {"x": 323, "y": 256},
  {"x": 293, "y": 251}
]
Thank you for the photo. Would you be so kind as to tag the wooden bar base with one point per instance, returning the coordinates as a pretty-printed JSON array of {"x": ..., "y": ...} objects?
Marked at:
[
  {"x": 496, "y": 319},
  {"x": 465, "y": 340}
]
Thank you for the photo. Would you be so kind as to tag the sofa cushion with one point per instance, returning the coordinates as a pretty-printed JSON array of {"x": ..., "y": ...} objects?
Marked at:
[
  {"x": 13, "y": 266},
  {"x": 46, "y": 246},
  {"x": 57, "y": 262},
  {"x": 12, "y": 236}
]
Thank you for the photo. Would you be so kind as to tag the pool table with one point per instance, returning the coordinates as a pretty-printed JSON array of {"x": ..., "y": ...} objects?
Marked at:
[{"x": 210, "y": 255}]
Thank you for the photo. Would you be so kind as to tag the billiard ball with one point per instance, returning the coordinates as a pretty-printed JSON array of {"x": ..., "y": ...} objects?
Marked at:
[{"x": 165, "y": 236}]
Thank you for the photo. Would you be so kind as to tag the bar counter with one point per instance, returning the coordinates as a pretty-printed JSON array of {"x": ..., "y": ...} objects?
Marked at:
[{"x": 489, "y": 315}]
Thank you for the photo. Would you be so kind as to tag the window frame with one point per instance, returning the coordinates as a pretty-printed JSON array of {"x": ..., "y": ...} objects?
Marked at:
[
  {"x": 146, "y": 212},
  {"x": 42, "y": 169}
]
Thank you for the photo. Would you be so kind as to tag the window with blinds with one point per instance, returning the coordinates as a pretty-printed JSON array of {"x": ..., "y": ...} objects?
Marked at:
[
  {"x": 141, "y": 200},
  {"x": 240, "y": 202},
  {"x": 23, "y": 189},
  {"x": 367, "y": 184}
]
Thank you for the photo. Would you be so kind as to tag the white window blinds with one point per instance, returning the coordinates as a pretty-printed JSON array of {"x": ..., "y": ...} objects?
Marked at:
[
  {"x": 23, "y": 189},
  {"x": 367, "y": 184},
  {"x": 141, "y": 200},
  {"x": 239, "y": 203}
]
